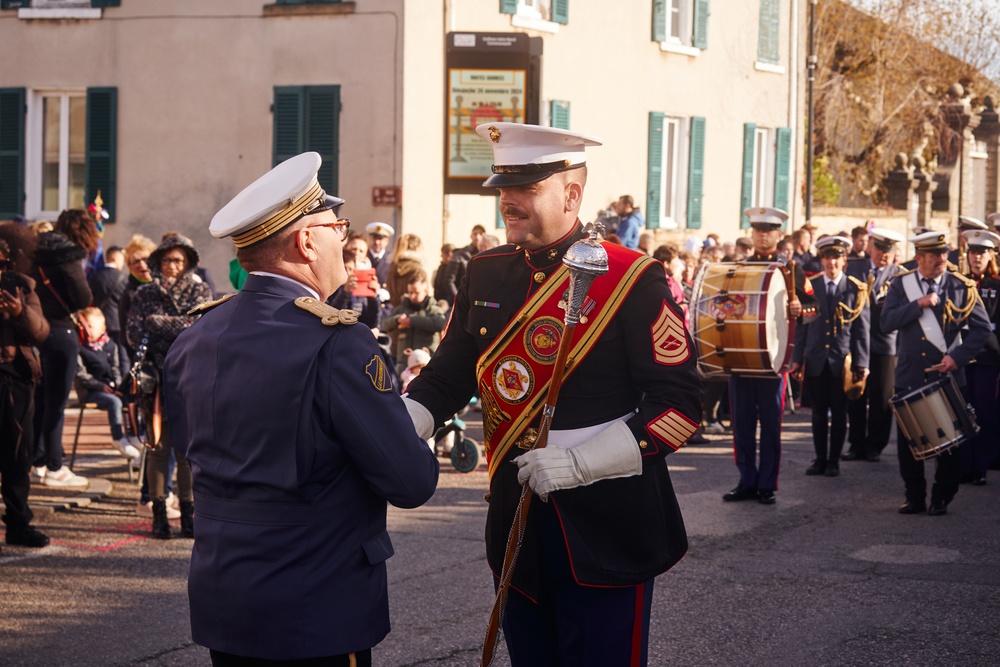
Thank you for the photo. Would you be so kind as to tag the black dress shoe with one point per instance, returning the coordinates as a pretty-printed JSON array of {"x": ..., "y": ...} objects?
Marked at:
[
  {"x": 832, "y": 469},
  {"x": 816, "y": 468},
  {"x": 937, "y": 508},
  {"x": 851, "y": 456},
  {"x": 980, "y": 479},
  {"x": 740, "y": 493},
  {"x": 912, "y": 508},
  {"x": 874, "y": 458},
  {"x": 765, "y": 497},
  {"x": 26, "y": 536}
]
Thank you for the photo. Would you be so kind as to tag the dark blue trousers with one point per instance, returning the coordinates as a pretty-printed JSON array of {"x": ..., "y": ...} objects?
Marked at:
[
  {"x": 982, "y": 385},
  {"x": 752, "y": 399},
  {"x": 572, "y": 625}
]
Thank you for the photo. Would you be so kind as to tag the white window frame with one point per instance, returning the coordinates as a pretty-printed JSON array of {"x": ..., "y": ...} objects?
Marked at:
[
  {"x": 59, "y": 9},
  {"x": 673, "y": 172},
  {"x": 34, "y": 149},
  {"x": 530, "y": 16},
  {"x": 764, "y": 154},
  {"x": 682, "y": 42},
  {"x": 978, "y": 166}
]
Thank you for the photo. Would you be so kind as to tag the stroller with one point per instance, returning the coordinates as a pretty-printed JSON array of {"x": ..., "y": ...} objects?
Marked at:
[{"x": 464, "y": 452}]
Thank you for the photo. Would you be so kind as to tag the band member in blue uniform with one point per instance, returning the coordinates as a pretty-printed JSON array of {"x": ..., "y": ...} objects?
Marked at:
[
  {"x": 296, "y": 438},
  {"x": 984, "y": 375},
  {"x": 823, "y": 345},
  {"x": 582, "y": 587},
  {"x": 754, "y": 397},
  {"x": 942, "y": 326},
  {"x": 870, "y": 416}
]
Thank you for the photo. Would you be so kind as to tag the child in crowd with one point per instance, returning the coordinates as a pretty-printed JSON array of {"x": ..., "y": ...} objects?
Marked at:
[
  {"x": 417, "y": 320},
  {"x": 99, "y": 377},
  {"x": 415, "y": 361}
]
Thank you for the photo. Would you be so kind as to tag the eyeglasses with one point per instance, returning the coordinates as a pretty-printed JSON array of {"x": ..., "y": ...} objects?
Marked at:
[
  {"x": 138, "y": 260},
  {"x": 172, "y": 260},
  {"x": 342, "y": 227}
]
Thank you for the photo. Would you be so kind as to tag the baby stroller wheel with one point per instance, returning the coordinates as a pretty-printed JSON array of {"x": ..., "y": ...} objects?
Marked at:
[{"x": 465, "y": 455}]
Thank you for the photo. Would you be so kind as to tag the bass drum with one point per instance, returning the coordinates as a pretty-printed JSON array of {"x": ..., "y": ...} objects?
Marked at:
[{"x": 739, "y": 319}]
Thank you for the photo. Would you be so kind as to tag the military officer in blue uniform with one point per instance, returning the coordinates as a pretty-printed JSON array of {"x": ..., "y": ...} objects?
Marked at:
[
  {"x": 870, "y": 416},
  {"x": 823, "y": 345},
  {"x": 753, "y": 398},
  {"x": 296, "y": 439},
  {"x": 942, "y": 325},
  {"x": 610, "y": 523}
]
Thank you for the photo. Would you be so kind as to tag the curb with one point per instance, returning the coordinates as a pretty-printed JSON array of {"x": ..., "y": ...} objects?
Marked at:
[{"x": 97, "y": 489}]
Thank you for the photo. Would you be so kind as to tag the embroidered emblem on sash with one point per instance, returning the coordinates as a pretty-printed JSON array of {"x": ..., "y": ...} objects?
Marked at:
[
  {"x": 378, "y": 374},
  {"x": 492, "y": 414},
  {"x": 669, "y": 343},
  {"x": 513, "y": 380},
  {"x": 672, "y": 428},
  {"x": 541, "y": 339}
]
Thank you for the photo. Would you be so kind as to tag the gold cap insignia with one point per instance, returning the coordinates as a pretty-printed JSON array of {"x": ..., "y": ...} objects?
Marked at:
[{"x": 494, "y": 134}]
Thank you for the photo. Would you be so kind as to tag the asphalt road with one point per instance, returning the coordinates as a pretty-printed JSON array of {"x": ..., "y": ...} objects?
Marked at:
[{"x": 830, "y": 575}]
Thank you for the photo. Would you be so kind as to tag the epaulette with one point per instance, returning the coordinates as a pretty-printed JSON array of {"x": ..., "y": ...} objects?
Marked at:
[
  {"x": 857, "y": 283},
  {"x": 206, "y": 306},
  {"x": 904, "y": 273},
  {"x": 969, "y": 282},
  {"x": 329, "y": 315}
]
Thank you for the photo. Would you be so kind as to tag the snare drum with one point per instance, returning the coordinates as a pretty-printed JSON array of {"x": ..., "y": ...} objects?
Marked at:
[
  {"x": 739, "y": 319},
  {"x": 934, "y": 418}
]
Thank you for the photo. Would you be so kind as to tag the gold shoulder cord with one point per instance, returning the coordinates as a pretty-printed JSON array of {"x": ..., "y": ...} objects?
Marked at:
[
  {"x": 957, "y": 315},
  {"x": 328, "y": 315},
  {"x": 206, "y": 306},
  {"x": 845, "y": 314}
]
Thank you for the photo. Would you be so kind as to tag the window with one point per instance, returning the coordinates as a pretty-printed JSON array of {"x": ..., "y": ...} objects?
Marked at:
[
  {"x": 769, "y": 35},
  {"x": 766, "y": 168},
  {"x": 559, "y": 114},
  {"x": 64, "y": 118},
  {"x": 674, "y": 184},
  {"x": 307, "y": 118},
  {"x": 681, "y": 26},
  {"x": 542, "y": 15},
  {"x": 978, "y": 157}
]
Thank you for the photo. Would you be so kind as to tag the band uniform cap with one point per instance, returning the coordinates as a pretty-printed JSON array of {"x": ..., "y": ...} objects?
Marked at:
[
  {"x": 272, "y": 202},
  {"x": 994, "y": 219},
  {"x": 833, "y": 245},
  {"x": 932, "y": 241},
  {"x": 419, "y": 357},
  {"x": 965, "y": 222},
  {"x": 379, "y": 229},
  {"x": 981, "y": 238},
  {"x": 766, "y": 217},
  {"x": 526, "y": 154},
  {"x": 885, "y": 239},
  {"x": 918, "y": 230}
]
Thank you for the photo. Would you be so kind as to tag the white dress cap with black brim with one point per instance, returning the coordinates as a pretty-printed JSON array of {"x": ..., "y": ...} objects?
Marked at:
[
  {"x": 833, "y": 245},
  {"x": 933, "y": 241},
  {"x": 526, "y": 154},
  {"x": 979, "y": 238},
  {"x": 274, "y": 201},
  {"x": 994, "y": 219},
  {"x": 885, "y": 239},
  {"x": 766, "y": 217},
  {"x": 965, "y": 222}
]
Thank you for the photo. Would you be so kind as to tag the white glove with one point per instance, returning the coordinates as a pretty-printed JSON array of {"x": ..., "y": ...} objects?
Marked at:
[
  {"x": 611, "y": 453},
  {"x": 423, "y": 421}
]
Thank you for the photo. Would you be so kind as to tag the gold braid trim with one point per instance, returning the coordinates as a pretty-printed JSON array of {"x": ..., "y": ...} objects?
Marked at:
[
  {"x": 955, "y": 314},
  {"x": 301, "y": 206},
  {"x": 845, "y": 314}
]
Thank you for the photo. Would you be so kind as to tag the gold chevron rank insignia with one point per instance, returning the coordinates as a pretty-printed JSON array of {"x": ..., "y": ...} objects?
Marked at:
[
  {"x": 378, "y": 374},
  {"x": 672, "y": 428},
  {"x": 669, "y": 342}
]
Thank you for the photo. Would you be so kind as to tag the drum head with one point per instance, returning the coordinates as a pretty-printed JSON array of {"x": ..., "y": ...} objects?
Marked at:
[{"x": 776, "y": 318}]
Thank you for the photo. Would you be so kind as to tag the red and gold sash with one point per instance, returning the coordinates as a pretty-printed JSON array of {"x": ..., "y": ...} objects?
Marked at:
[{"x": 515, "y": 371}]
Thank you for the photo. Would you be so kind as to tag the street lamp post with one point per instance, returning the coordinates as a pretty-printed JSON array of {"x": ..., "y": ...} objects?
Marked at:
[{"x": 811, "y": 62}]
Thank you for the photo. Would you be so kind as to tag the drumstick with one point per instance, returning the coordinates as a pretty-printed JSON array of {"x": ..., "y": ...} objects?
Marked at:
[
  {"x": 936, "y": 368},
  {"x": 791, "y": 288}
]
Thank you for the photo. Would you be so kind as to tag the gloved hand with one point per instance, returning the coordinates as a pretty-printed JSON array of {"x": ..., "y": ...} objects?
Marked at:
[
  {"x": 423, "y": 421},
  {"x": 611, "y": 453}
]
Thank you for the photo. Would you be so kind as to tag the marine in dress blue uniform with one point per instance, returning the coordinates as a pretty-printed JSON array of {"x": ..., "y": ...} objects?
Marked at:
[
  {"x": 753, "y": 398},
  {"x": 944, "y": 341},
  {"x": 983, "y": 376},
  {"x": 823, "y": 346},
  {"x": 296, "y": 439},
  {"x": 870, "y": 416},
  {"x": 582, "y": 587}
]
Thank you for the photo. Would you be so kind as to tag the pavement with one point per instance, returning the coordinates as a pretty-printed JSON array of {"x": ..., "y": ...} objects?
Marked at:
[{"x": 829, "y": 575}]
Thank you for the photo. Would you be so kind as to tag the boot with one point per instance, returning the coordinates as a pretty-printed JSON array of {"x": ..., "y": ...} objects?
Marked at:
[
  {"x": 161, "y": 525},
  {"x": 187, "y": 519}
]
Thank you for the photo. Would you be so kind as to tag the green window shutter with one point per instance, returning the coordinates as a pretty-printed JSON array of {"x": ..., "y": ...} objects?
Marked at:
[
  {"x": 12, "y": 112},
  {"x": 770, "y": 28},
  {"x": 699, "y": 36},
  {"x": 654, "y": 169},
  {"x": 100, "y": 172},
  {"x": 288, "y": 122},
  {"x": 559, "y": 114},
  {"x": 696, "y": 173},
  {"x": 560, "y": 11},
  {"x": 508, "y": 6},
  {"x": 746, "y": 194},
  {"x": 782, "y": 167},
  {"x": 659, "y": 20},
  {"x": 105, "y": 3}
]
